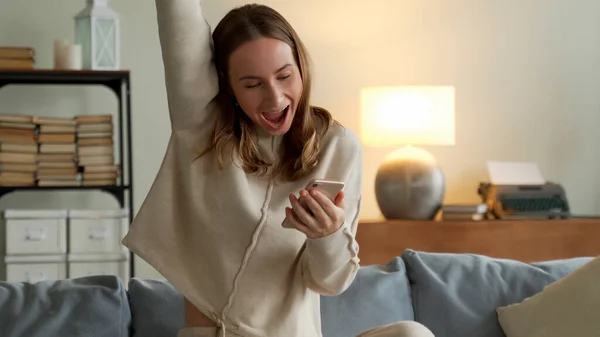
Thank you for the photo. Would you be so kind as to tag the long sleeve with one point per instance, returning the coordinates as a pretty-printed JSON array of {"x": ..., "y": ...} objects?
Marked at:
[
  {"x": 190, "y": 76},
  {"x": 330, "y": 263}
]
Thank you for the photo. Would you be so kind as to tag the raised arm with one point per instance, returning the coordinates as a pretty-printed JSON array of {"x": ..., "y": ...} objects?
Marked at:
[{"x": 190, "y": 77}]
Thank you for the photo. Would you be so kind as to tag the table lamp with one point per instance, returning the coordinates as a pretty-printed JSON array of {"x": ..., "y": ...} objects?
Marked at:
[{"x": 409, "y": 183}]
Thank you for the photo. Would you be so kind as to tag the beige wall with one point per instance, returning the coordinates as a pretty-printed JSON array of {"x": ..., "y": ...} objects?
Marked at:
[{"x": 526, "y": 72}]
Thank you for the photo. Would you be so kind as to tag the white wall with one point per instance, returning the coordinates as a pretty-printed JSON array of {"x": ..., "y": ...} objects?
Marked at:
[{"x": 526, "y": 72}]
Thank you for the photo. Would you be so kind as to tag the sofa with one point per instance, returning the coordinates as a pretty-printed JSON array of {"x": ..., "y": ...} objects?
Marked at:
[{"x": 451, "y": 294}]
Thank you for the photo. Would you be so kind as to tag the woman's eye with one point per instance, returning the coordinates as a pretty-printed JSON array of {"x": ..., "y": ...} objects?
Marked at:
[
  {"x": 284, "y": 77},
  {"x": 250, "y": 86}
]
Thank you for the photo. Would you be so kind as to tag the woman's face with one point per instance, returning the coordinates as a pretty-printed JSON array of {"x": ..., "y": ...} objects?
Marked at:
[{"x": 266, "y": 82}]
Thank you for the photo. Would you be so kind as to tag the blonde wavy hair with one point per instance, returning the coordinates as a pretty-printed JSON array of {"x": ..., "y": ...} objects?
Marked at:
[{"x": 233, "y": 129}]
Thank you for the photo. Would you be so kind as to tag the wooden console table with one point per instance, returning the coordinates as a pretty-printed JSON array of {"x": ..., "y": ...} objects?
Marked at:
[{"x": 523, "y": 240}]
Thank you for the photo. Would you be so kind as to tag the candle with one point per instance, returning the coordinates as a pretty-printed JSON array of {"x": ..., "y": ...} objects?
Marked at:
[
  {"x": 67, "y": 56},
  {"x": 59, "y": 52},
  {"x": 73, "y": 57}
]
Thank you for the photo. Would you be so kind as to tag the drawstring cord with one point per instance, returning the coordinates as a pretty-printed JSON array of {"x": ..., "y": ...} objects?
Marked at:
[{"x": 221, "y": 326}]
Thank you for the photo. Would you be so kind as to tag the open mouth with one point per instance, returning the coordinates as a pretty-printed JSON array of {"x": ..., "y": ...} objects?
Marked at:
[{"x": 276, "y": 119}]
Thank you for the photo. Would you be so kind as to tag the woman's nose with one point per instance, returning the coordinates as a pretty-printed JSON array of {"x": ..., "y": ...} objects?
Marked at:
[{"x": 274, "y": 97}]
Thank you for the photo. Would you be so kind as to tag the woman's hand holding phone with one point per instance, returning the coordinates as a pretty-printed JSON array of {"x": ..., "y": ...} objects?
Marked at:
[{"x": 314, "y": 213}]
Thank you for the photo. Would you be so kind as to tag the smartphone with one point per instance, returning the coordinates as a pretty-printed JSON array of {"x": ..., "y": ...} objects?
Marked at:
[{"x": 328, "y": 187}]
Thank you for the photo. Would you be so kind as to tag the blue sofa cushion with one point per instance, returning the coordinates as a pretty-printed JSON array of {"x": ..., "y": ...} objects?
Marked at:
[
  {"x": 89, "y": 306},
  {"x": 380, "y": 294},
  {"x": 157, "y": 308},
  {"x": 457, "y": 294}
]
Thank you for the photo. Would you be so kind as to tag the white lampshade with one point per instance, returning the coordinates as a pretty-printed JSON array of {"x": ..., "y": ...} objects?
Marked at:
[
  {"x": 97, "y": 30},
  {"x": 397, "y": 116}
]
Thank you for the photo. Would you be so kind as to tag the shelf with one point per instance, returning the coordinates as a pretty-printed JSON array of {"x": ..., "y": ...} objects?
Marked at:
[
  {"x": 50, "y": 76},
  {"x": 116, "y": 191},
  {"x": 119, "y": 82},
  {"x": 110, "y": 79}
]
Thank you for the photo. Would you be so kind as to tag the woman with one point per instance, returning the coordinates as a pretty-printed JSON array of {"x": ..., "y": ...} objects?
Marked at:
[{"x": 244, "y": 141}]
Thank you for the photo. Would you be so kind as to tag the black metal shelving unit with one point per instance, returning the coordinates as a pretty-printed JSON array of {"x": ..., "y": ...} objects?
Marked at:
[{"x": 119, "y": 82}]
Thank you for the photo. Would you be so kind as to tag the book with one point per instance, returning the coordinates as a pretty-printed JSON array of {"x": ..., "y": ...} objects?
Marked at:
[
  {"x": 17, "y": 131},
  {"x": 17, "y": 158},
  {"x": 85, "y": 142},
  {"x": 23, "y": 168},
  {"x": 57, "y": 148},
  {"x": 56, "y": 138},
  {"x": 16, "y": 119},
  {"x": 57, "y": 128},
  {"x": 15, "y": 183},
  {"x": 25, "y": 64},
  {"x": 58, "y": 171},
  {"x": 18, "y": 147},
  {"x": 67, "y": 177},
  {"x": 474, "y": 212},
  {"x": 101, "y": 169},
  {"x": 17, "y": 179},
  {"x": 95, "y": 128},
  {"x": 95, "y": 150},
  {"x": 17, "y": 138},
  {"x": 17, "y": 176},
  {"x": 84, "y": 135},
  {"x": 56, "y": 157},
  {"x": 52, "y": 182},
  {"x": 94, "y": 119},
  {"x": 53, "y": 121},
  {"x": 17, "y": 52},
  {"x": 100, "y": 176},
  {"x": 466, "y": 208},
  {"x": 104, "y": 182},
  {"x": 59, "y": 164},
  {"x": 95, "y": 160},
  {"x": 13, "y": 125}
]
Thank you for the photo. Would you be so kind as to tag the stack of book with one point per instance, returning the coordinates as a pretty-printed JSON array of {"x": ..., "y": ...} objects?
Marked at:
[
  {"x": 18, "y": 151},
  {"x": 474, "y": 212},
  {"x": 53, "y": 151},
  {"x": 56, "y": 165},
  {"x": 95, "y": 150},
  {"x": 17, "y": 58}
]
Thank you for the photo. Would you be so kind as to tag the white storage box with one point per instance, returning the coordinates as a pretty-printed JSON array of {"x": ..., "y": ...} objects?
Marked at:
[
  {"x": 35, "y": 232},
  {"x": 97, "y": 232},
  {"x": 33, "y": 269},
  {"x": 82, "y": 265}
]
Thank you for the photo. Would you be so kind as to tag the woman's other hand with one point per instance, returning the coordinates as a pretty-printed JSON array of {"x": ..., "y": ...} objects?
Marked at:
[{"x": 314, "y": 214}]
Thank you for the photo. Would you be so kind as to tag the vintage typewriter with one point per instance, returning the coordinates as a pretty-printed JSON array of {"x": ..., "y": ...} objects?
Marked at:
[{"x": 546, "y": 201}]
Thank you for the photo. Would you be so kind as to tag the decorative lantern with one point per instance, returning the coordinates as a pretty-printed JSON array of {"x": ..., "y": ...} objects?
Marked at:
[{"x": 97, "y": 31}]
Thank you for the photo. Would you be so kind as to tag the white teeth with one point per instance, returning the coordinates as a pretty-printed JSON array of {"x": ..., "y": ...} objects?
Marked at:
[
  {"x": 277, "y": 125},
  {"x": 276, "y": 112}
]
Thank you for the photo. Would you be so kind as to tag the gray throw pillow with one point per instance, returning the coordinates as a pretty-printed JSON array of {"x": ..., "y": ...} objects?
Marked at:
[
  {"x": 89, "y": 306},
  {"x": 157, "y": 308},
  {"x": 380, "y": 294},
  {"x": 457, "y": 294}
]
